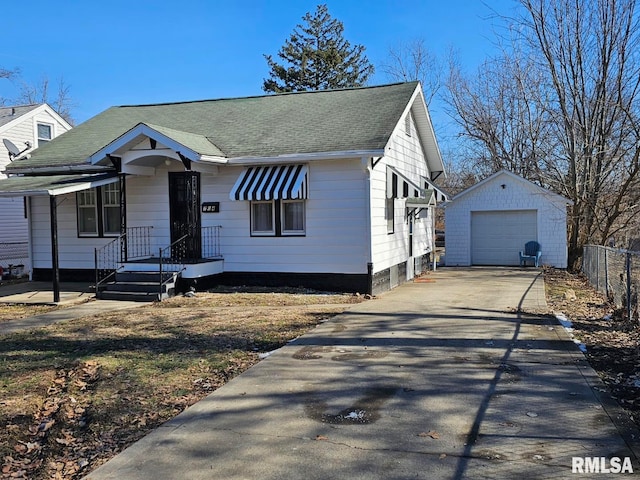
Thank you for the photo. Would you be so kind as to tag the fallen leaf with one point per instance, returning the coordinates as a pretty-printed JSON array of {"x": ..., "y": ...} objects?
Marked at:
[
  {"x": 431, "y": 433},
  {"x": 321, "y": 437}
]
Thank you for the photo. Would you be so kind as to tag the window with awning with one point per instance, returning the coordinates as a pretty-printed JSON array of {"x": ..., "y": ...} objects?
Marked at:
[
  {"x": 399, "y": 186},
  {"x": 271, "y": 182}
]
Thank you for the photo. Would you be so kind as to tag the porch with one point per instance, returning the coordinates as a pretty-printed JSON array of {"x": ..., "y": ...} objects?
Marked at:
[{"x": 131, "y": 268}]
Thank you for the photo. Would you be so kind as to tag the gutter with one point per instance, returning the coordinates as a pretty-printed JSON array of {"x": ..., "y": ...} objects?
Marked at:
[
  {"x": 305, "y": 157},
  {"x": 35, "y": 171}
]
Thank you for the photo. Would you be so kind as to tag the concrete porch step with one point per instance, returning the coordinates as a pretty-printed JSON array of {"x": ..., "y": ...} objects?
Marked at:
[{"x": 139, "y": 287}]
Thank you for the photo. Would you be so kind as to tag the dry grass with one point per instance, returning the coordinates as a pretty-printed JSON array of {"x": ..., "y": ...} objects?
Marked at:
[
  {"x": 612, "y": 341},
  {"x": 15, "y": 312},
  {"x": 76, "y": 393}
]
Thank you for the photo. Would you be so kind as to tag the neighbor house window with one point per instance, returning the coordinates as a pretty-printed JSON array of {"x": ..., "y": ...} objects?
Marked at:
[
  {"x": 99, "y": 211},
  {"x": 278, "y": 218},
  {"x": 44, "y": 133}
]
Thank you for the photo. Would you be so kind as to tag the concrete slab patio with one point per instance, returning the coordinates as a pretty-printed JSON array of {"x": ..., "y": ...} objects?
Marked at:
[
  {"x": 449, "y": 379},
  {"x": 41, "y": 293}
]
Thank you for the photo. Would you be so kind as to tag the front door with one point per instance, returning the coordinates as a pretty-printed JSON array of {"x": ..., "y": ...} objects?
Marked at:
[{"x": 184, "y": 214}]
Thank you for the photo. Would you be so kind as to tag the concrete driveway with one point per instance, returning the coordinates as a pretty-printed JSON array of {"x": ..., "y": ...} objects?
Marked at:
[{"x": 439, "y": 380}]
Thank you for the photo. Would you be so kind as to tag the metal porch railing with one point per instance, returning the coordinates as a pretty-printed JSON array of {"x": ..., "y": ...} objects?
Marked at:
[{"x": 132, "y": 245}]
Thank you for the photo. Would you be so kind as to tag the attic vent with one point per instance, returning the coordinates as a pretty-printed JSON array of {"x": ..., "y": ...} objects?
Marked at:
[{"x": 407, "y": 124}]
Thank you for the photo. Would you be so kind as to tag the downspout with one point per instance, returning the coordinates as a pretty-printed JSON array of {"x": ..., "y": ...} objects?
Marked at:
[{"x": 369, "y": 237}]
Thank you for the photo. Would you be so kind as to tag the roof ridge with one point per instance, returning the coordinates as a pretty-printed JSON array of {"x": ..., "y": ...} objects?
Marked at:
[
  {"x": 305, "y": 92},
  {"x": 21, "y": 106}
]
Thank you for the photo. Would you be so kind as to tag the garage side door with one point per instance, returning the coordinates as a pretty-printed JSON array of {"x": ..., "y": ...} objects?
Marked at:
[{"x": 497, "y": 237}]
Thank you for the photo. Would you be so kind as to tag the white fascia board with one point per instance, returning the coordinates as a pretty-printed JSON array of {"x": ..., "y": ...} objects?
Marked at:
[
  {"x": 212, "y": 159},
  {"x": 75, "y": 187},
  {"x": 138, "y": 131},
  {"x": 83, "y": 186},
  {"x": 304, "y": 157},
  {"x": 424, "y": 126}
]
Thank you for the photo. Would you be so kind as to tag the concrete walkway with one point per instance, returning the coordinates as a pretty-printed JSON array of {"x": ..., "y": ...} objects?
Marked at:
[
  {"x": 441, "y": 380},
  {"x": 76, "y": 301}
]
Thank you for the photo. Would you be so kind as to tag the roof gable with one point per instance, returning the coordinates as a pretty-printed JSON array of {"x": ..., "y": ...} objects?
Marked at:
[
  {"x": 12, "y": 115},
  {"x": 502, "y": 174},
  {"x": 350, "y": 121}
]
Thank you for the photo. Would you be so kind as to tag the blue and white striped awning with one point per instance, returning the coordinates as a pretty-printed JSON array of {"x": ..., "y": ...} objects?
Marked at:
[{"x": 271, "y": 182}]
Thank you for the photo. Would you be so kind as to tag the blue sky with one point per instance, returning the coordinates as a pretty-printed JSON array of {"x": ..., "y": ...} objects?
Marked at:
[{"x": 137, "y": 51}]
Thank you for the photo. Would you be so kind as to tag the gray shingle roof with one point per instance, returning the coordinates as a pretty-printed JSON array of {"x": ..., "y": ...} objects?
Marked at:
[
  {"x": 9, "y": 113},
  {"x": 265, "y": 126}
]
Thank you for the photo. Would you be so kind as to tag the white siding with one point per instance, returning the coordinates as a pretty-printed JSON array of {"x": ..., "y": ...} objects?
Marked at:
[
  {"x": 74, "y": 252},
  {"x": 13, "y": 224},
  {"x": 517, "y": 194},
  {"x": 407, "y": 156},
  {"x": 336, "y": 230}
]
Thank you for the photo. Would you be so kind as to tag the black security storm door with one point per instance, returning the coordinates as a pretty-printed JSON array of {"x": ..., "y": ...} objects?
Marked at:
[{"x": 184, "y": 214}]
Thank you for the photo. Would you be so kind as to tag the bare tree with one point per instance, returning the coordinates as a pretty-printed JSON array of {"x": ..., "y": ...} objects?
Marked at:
[
  {"x": 412, "y": 61},
  {"x": 501, "y": 114},
  {"x": 588, "y": 50},
  {"x": 563, "y": 109},
  {"x": 60, "y": 100},
  {"x": 8, "y": 75}
]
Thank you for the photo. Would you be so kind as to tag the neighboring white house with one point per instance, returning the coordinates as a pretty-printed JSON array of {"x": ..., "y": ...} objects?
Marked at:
[
  {"x": 25, "y": 127},
  {"x": 329, "y": 189},
  {"x": 490, "y": 222}
]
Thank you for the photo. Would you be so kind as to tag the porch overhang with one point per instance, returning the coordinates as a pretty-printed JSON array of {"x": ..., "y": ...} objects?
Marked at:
[
  {"x": 164, "y": 142},
  {"x": 419, "y": 202},
  {"x": 53, "y": 185}
]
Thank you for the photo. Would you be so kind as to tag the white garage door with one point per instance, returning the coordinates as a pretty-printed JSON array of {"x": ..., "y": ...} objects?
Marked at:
[{"x": 497, "y": 237}]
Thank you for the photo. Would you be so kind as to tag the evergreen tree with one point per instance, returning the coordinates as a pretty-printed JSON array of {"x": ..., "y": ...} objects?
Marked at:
[{"x": 317, "y": 57}]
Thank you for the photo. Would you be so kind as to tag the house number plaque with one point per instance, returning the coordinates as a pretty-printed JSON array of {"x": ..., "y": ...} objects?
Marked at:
[{"x": 210, "y": 207}]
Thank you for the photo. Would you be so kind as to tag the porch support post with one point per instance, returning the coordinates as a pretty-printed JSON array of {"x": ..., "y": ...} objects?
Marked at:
[
  {"x": 124, "y": 255},
  {"x": 55, "y": 268}
]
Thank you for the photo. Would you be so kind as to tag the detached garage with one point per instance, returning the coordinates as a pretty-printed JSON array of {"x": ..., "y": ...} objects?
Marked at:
[{"x": 489, "y": 223}]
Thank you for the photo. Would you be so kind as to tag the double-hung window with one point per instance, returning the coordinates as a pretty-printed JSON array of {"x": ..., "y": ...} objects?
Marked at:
[
  {"x": 293, "y": 217},
  {"x": 45, "y": 133},
  {"x": 278, "y": 218},
  {"x": 262, "y": 218},
  {"x": 98, "y": 211}
]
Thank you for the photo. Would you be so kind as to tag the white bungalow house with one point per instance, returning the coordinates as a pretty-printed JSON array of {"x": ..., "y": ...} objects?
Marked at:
[
  {"x": 329, "y": 189},
  {"x": 22, "y": 129}
]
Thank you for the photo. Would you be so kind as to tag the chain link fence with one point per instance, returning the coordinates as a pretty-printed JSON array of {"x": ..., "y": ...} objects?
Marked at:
[
  {"x": 14, "y": 258},
  {"x": 616, "y": 273}
]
